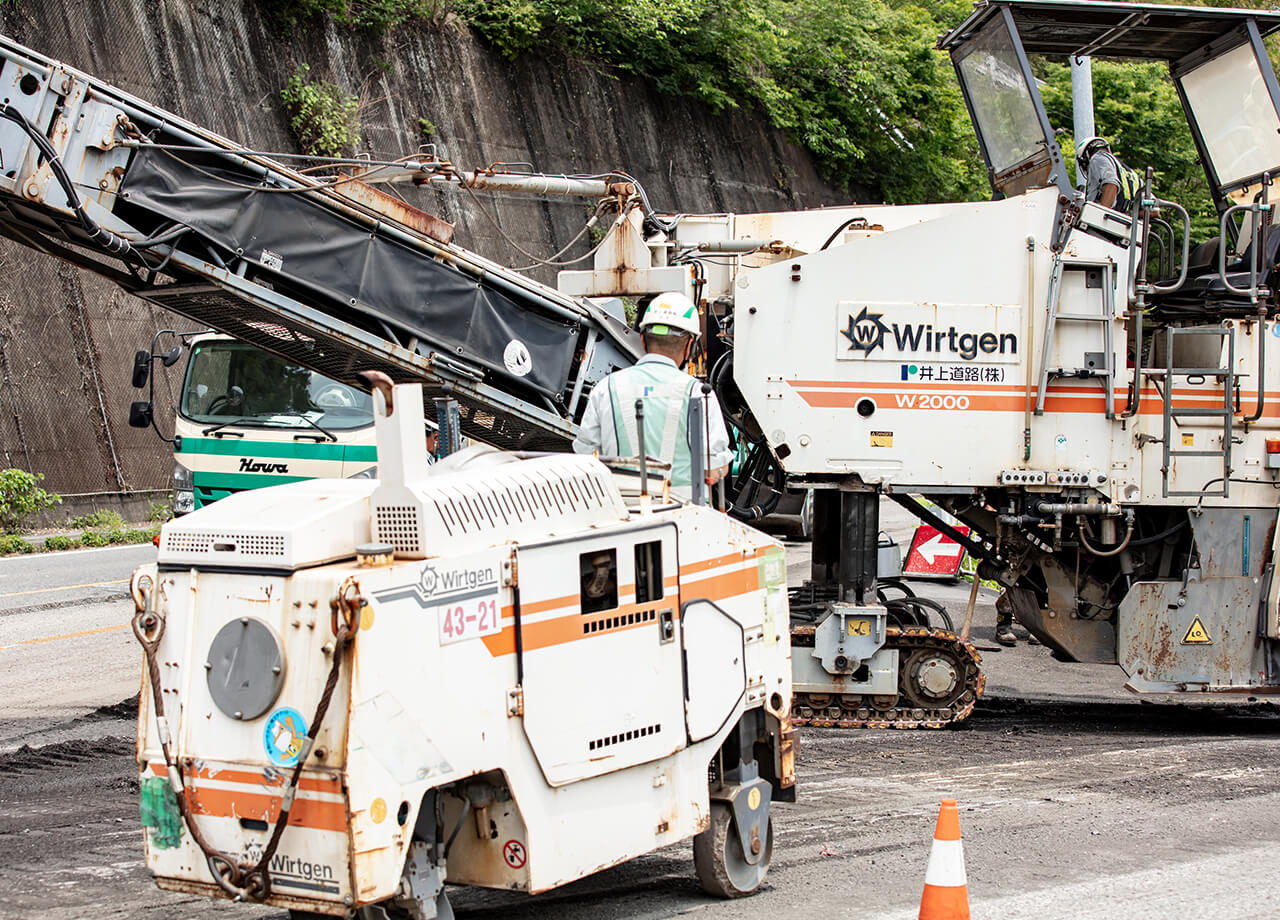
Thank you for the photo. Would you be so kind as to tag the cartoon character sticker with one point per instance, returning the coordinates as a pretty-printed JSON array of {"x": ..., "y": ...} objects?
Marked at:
[{"x": 283, "y": 736}]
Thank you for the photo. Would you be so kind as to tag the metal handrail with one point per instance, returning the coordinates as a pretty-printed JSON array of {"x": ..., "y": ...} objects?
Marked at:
[
  {"x": 1258, "y": 232},
  {"x": 1138, "y": 289},
  {"x": 1151, "y": 205}
]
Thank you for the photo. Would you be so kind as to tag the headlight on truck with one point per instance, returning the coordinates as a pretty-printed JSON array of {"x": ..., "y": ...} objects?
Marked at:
[
  {"x": 370, "y": 473},
  {"x": 184, "y": 496}
]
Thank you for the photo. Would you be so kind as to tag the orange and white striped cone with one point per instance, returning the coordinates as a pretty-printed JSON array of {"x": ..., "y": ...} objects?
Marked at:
[{"x": 946, "y": 889}]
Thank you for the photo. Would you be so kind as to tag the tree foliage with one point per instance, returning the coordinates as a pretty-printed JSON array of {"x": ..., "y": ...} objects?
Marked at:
[
  {"x": 856, "y": 81},
  {"x": 376, "y": 16}
]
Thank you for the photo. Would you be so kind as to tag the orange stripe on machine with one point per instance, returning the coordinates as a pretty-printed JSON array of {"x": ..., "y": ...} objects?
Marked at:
[
  {"x": 1084, "y": 399},
  {"x": 251, "y": 800},
  {"x": 741, "y": 576}
]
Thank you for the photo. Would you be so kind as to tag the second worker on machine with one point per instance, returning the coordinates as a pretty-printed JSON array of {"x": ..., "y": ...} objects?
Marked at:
[{"x": 670, "y": 329}]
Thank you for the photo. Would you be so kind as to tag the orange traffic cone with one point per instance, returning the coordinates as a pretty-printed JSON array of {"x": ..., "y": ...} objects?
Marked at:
[{"x": 946, "y": 889}]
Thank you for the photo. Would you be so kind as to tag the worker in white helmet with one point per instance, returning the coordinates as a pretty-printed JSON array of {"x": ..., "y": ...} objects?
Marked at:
[{"x": 669, "y": 329}]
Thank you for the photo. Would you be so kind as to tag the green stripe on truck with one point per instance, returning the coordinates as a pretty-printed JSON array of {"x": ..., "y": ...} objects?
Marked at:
[{"x": 352, "y": 453}]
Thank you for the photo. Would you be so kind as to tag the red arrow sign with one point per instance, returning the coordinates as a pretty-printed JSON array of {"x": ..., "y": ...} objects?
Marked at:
[{"x": 934, "y": 554}]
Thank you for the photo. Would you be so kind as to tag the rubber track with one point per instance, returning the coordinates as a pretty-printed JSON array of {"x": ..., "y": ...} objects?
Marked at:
[{"x": 906, "y": 639}]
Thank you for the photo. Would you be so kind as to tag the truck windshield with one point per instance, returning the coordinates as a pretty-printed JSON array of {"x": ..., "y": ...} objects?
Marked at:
[{"x": 233, "y": 380}]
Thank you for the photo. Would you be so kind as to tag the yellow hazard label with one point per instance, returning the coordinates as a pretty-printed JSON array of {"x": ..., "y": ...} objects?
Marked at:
[
  {"x": 882, "y": 439},
  {"x": 1197, "y": 634},
  {"x": 1188, "y": 440},
  {"x": 858, "y": 627}
]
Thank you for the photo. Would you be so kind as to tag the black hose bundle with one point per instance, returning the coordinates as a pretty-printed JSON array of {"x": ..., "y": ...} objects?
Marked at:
[{"x": 113, "y": 243}]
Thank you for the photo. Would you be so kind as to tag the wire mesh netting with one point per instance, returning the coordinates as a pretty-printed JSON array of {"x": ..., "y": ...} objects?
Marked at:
[{"x": 67, "y": 341}]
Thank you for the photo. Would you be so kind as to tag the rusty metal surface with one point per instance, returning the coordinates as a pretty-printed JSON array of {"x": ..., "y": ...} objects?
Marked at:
[
  {"x": 210, "y": 890},
  {"x": 1223, "y": 539},
  {"x": 1153, "y": 625},
  {"x": 1057, "y": 624},
  {"x": 397, "y": 209}
]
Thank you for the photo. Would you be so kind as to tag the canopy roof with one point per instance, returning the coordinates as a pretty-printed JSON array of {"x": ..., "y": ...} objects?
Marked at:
[{"x": 1126, "y": 30}]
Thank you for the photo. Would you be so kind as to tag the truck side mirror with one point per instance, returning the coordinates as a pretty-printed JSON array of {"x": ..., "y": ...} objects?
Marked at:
[
  {"x": 170, "y": 357},
  {"x": 140, "y": 412},
  {"x": 141, "y": 369}
]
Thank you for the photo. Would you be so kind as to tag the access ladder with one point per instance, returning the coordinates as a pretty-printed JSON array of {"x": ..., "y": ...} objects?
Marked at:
[{"x": 1098, "y": 366}]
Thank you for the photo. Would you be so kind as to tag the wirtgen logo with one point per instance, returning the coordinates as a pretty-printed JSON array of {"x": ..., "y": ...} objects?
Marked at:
[{"x": 867, "y": 332}]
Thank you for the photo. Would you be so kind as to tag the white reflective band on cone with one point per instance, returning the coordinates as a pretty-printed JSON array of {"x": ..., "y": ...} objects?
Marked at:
[{"x": 946, "y": 864}]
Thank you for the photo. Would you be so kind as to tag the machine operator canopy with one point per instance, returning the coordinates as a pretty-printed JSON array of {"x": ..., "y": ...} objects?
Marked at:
[{"x": 1216, "y": 58}]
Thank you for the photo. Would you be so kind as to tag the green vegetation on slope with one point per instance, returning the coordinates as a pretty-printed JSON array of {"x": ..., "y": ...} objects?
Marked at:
[{"x": 857, "y": 82}]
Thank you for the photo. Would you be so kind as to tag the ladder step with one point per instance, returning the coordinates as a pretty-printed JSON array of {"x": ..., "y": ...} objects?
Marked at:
[
  {"x": 1197, "y": 453},
  {"x": 1085, "y": 317},
  {"x": 1082, "y": 372},
  {"x": 1200, "y": 413}
]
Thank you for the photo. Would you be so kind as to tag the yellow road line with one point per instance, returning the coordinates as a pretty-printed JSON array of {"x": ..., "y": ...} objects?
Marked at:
[
  {"x": 91, "y": 584},
  {"x": 74, "y": 635}
]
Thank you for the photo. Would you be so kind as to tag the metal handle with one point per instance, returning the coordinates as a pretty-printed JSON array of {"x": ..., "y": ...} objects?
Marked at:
[
  {"x": 1186, "y": 243},
  {"x": 1256, "y": 227}
]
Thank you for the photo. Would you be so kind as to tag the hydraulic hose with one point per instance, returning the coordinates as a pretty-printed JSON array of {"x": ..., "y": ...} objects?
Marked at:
[
  {"x": 113, "y": 243},
  {"x": 1084, "y": 530}
]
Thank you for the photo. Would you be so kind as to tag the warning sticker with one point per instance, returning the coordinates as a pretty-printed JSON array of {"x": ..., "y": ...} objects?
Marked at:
[
  {"x": 857, "y": 626},
  {"x": 1197, "y": 634},
  {"x": 882, "y": 439},
  {"x": 514, "y": 854},
  {"x": 1188, "y": 439}
]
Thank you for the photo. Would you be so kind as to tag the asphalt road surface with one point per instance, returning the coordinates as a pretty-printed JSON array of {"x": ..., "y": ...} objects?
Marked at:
[{"x": 1077, "y": 799}]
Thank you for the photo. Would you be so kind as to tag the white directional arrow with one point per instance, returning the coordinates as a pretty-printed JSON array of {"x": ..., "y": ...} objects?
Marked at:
[{"x": 938, "y": 546}]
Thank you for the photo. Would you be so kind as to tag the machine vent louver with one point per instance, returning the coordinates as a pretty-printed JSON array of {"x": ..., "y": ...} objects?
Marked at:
[
  {"x": 398, "y": 525},
  {"x": 621, "y": 737},
  {"x": 240, "y": 544},
  {"x": 517, "y": 498}
]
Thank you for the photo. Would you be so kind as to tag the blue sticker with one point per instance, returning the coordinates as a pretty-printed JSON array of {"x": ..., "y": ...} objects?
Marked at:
[
  {"x": 283, "y": 737},
  {"x": 1275, "y": 330}
]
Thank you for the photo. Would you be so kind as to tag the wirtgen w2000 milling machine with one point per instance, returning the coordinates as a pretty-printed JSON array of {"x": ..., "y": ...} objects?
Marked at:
[
  {"x": 490, "y": 671},
  {"x": 1092, "y": 392}
]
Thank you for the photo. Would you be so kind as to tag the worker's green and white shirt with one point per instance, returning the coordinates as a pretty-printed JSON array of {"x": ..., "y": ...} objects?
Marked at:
[{"x": 609, "y": 422}]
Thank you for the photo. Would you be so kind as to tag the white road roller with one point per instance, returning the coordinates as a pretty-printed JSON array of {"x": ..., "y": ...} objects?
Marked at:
[{"x": 493, "y": 671}]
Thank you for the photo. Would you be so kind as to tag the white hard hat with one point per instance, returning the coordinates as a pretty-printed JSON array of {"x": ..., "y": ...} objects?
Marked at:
[
  {"x": 671, "y": 313},
  {"x": 1085, "y": 148}
]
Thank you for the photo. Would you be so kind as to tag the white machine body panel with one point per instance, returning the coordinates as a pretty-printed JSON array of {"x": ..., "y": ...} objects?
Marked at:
[{"x": 496, "y": 659}]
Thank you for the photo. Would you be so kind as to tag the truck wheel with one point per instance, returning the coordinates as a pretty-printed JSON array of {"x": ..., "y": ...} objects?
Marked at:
[{"x": 718, "y": 858}]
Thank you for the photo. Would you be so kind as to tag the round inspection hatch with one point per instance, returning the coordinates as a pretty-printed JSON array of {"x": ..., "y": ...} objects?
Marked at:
[{"x": 245, "y": 668}]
